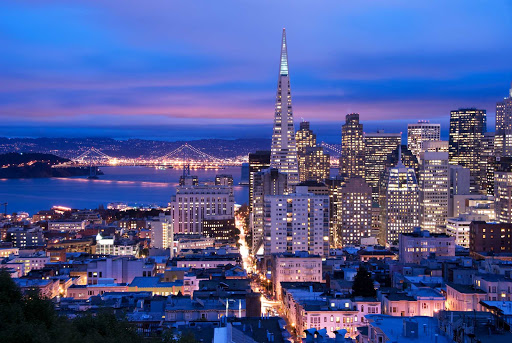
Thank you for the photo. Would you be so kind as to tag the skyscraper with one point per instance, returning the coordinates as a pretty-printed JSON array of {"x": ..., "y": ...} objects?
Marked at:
[
  {"x": 352, "y": 147},
  {"x": 434, "y": 190},
  {"x": 400, "y": 213},
  {"x": 266, "y": 182},
  {"x": 419, "y": 133},
  {"x": 503, "y": 143},
  {"x": 503, "y": 190},
  {"x": 284, "y": 149},
  {"x": 354, "y": 212},
  {"x": 258, "y": 161},
  {"x": 318, "y": 164},
  {"x": 467, "y": 128},
  {"x": 487, "y": 163},
  {"x": 305, "y": 138},
  {"x": 378, "y": 146}
]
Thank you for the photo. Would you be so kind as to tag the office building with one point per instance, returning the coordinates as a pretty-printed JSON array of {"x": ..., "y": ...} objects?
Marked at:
[
  {"x": 192, "y": 204},
  {"x": 352, "y": 147},
  {"x": 257, "y": 162},
  {"x": 284, "y": 149},
  {"x": 305, "y": 138},
  {"x": 354, "y": 207},
  {"x": 222, "y": 230},
  {"x": 419, "y": 133},
  {"x": 467, "y": 128},
  {"x": 267, "y": 182},
  {"x": 400, "y": 210},
  {"x": 434, "y": 191},
  {"x": 317, "y": 164},
  {"x": 487, "y": 163},
  {"x": 297, "y": 222},
  {"x": 503, "y": 140},
  {"x": 333, "y": 186},
  {"x": 378, "y": 146},
  {"x": 503, "y": 190}
]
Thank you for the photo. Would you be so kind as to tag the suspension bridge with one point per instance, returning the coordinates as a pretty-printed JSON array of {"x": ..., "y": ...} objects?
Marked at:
[{"x": 185, "y": 154}]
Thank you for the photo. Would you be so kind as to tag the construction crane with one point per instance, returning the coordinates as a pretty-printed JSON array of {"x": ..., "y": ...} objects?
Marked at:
[{"x": 5, "y": 208}]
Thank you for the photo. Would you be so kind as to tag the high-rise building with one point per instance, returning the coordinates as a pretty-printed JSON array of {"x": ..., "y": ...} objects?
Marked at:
[
  {"x": 334, "y": 185},
  {"x": 305, "y": 138},
  {"x": 314, "y": 164},
  {"x": 419, "y": 133},
  {"x": 467, "y": 128},
  {"x": 503, "y": 143},
  {"x": 434, "y": 191},
  {"x": 266, "y": 182},
  {"x": 503, "y": 190},
  {"x": 192, "y": 204},
  {"x": 257, "y": 162},
  {"x": 297, "y": 222},
  {"x": 354, "y": 212},
  {"x": 352, "y": 147},
  {"x": 284, "y": 148},
  {"x": 378, "y": 146},
  {"x": 400, "y": 210},
  {"x": 487, "y": 163},
  {"x": 317, "y": 163}
]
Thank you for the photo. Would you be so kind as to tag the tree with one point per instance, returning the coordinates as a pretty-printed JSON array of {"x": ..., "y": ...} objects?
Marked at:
[
  {"x": 30, "y": 318},
  {"x": 363, "y": 284}
]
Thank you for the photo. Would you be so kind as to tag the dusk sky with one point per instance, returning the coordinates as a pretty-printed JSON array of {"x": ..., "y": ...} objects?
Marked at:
[{"x": 198, "y": 69}]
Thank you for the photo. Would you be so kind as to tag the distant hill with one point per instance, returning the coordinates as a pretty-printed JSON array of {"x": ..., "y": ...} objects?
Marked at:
[
  {"x": 131, "y": 148},
  {"x": 18, "y": 158},
  {"x": 35, "y": 165}
]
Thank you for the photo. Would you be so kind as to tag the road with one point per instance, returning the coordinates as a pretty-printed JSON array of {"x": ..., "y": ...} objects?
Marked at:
[{"x": 267, "y": 305}]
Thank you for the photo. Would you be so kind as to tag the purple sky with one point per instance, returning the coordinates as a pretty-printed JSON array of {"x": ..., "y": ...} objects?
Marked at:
[{"x": 189, "y": 69}]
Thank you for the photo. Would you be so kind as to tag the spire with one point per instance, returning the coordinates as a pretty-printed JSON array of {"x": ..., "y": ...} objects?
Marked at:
[
  {"x": 510, "y": 89},
  {"x": 399, "y": 155},
  {"x": 283, "y": 70}
]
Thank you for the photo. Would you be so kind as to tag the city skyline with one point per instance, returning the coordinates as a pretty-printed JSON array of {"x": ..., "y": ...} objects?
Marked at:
[{"x": 82, "y": 69}]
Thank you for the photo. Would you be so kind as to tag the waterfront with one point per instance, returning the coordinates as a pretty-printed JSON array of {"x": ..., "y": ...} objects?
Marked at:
[{"x": 131, "y": 185}]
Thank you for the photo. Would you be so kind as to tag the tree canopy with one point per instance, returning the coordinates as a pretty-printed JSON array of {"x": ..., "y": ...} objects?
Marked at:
[
  {"x": 363, "y": 284},
  {"x": 28, "y": 318}
]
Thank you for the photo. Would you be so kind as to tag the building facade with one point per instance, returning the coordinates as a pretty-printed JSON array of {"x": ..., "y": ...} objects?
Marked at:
[
  {"x": 354, "y": 212},
  {"x": 305, "y": 138},
  {"x": 419, "y": 133},
  {"x": 297, "y": 222},
  {"x": 258, "y": 161},
  {"x": 434, "y": 191},
  {"x": 467, "y": 128},
  {"x": 267, "y": 182},
  {"x": 192, "y": 204},
  {"x": 352, "y": 147},
  {"x": 419, "y": 245},
  {"x": 400, "y": 210},
  {"x": 378, "y": 146},
  {"x": 503, "y": 140}
]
